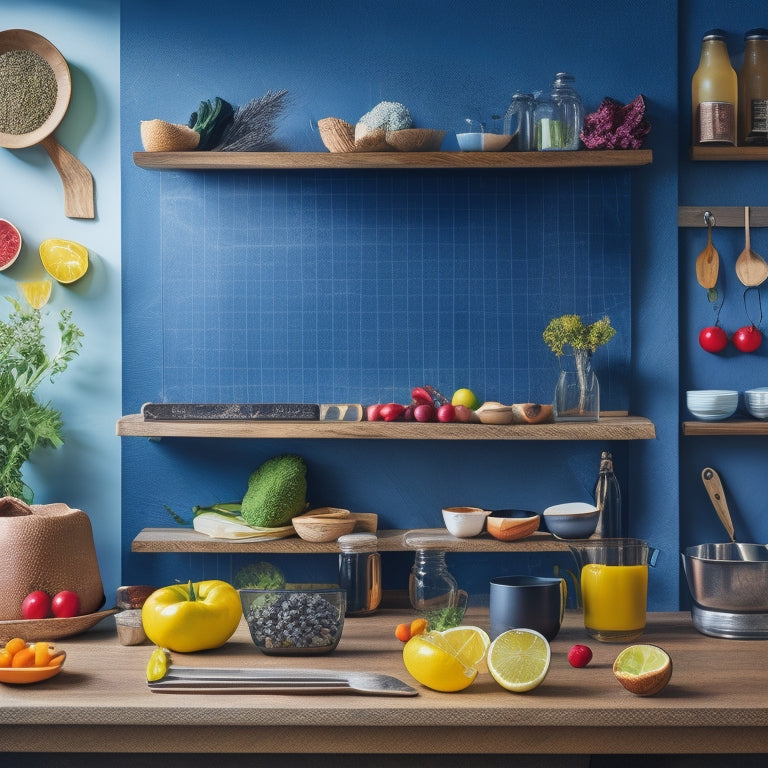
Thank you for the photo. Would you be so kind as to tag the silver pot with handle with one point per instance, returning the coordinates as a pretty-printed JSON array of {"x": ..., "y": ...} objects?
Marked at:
[{"x": 728, "y": 582}]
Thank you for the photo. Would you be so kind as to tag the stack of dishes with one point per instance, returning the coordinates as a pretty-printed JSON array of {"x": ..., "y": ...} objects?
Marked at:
[
  {"x": 756, "y": 401},
  {"x": 713, "y": 404}
]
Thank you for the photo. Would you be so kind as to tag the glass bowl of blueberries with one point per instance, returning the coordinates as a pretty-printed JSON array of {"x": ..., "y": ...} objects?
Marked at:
[{"x": 299, "y": 622}]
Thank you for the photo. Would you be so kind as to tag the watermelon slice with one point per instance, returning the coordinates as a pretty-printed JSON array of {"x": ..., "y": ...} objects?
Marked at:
[{"x": 10, "y": 244}]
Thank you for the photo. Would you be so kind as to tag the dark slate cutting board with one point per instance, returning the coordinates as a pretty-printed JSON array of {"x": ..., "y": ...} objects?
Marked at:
[{"x": 230, "y": 411}]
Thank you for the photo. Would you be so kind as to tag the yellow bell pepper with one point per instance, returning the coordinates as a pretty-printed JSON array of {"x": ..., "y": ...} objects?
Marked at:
[{"x": 192, "y": 617}]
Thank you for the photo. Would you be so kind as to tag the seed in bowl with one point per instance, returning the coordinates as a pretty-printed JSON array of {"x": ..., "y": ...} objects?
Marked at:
[{"x": 299, "y": 620}]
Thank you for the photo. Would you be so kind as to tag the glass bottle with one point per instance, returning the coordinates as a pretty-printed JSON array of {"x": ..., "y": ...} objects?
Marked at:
[
  {"x": 577, "y": 392},
  {"x": 434, "y": 592},
  {"x": 607, "y": 500},
  {"x": 753, "y": 90},
  {"x": 564, "y": 94},
  {"x": 360, "y": 572},
  {"x": 714, "y": 93},
  {"x": 522, "y": 108}
]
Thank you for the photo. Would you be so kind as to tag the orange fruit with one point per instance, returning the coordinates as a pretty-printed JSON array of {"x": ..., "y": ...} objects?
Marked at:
[
  {"x": 36, "y": 292},
  {"x": 64, "y": 260},
  {"x": 42, "y": 654},
  {"x": 24, "y": 658},
  {"x": 14, "y": 645}
]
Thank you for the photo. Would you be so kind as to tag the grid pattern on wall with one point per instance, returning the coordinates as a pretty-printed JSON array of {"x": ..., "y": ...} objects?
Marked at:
[{"x": 318, "y": 286}]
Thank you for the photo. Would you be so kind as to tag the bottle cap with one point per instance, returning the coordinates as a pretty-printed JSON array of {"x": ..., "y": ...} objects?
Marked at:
[
  {"x": 358, "y": 542},
  {"x": 759, "y": 33},
  {"x": 714, "y": 34}
]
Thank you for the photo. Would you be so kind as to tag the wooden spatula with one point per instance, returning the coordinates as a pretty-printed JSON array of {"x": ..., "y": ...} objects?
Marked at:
[
  {"x": 708, "y": 262},
  {"x": 751, "y": 268}
]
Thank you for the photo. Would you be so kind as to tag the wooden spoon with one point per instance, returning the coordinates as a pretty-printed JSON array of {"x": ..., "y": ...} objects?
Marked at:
[
  {"x": 751, "y": 268},
  {"x": 708, "y": 262}
]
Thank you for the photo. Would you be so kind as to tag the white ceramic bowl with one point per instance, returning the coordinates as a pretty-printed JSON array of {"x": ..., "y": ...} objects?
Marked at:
[
  {"x": 574, "y": 520},
  {"x": 712, "y": 404},
  {"x": 465, "y": 522},
  {"x": 482, "y": 142}
]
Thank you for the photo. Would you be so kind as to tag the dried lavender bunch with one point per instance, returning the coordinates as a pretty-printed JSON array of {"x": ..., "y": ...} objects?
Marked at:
[{"x": 253, "y": 125}]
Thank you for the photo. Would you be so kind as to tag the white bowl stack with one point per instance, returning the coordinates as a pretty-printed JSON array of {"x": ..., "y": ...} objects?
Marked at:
[
  {"x": 756, "y": 401},
  {"x": 713, "y": 404}
]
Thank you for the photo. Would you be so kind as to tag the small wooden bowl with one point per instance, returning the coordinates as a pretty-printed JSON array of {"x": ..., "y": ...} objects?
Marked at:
[
  {"x": 495, "y": 413},
  {"x": 337, "y": 135},
  {"x": 415, "y": 139},
  {"x": 512, "y": 528},
  {"x": 322, "y": 529}
]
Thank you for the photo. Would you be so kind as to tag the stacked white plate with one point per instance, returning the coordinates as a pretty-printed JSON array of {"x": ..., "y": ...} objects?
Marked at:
[
  {"x": 713, "y": 404},
  {"x": 756, "y": 401}
]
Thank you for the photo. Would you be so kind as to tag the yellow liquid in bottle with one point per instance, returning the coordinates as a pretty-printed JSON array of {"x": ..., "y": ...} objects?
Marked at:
[
  {"x": 753, "y": 92},
  {"x": 714, "y": 95},
  {"x": 614, "y": 597}
]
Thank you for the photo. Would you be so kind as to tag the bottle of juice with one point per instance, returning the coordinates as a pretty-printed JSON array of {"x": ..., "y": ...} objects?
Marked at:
[
  {"x": 753, "y": 89},
  {"x": 714, "y": 93}
]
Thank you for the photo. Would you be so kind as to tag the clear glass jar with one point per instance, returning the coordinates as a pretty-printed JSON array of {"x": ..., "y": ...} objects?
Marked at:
[
  {"x": 360, "y": 572},
  {"x": 714, "y": 93},
  {"x": 434, "y": 592},
  {"x": 520, "y": 117},
  {"x": 753, "y": 90},
  {"x": 572, "y": 110}
]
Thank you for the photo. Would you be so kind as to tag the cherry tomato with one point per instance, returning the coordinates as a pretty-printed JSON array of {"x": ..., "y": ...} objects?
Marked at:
[
  {"x": 713, "y": 339},
  {"x": 65, "y": 605},
  {"x": 36, "y": 605},
  {"x": 747, "y": 339}
]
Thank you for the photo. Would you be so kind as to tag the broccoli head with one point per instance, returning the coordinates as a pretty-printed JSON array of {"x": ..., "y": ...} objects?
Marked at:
[
  {"x": 277, "y": 492},
  {"x": 261, "y": 575},
  {"x": 387, "y": 115}
]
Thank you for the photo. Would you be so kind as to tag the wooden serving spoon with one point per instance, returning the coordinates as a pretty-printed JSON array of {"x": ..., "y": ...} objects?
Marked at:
[
  {"x": 751, "y": 268},
  {"x": 708, "y": 262}
]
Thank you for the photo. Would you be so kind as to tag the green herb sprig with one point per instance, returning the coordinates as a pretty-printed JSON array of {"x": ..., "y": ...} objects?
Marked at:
[
  {"x": 570, "y": 329},
  {"x": 25, "y": 363}
]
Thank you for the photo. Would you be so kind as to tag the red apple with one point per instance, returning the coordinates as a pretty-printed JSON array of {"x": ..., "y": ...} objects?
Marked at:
[
  {"x": 747, "y": 339},
  {"x": 713, "y": 339},
  {"x": 65, "y": 605},
  {"x": 36, "y": 605}
]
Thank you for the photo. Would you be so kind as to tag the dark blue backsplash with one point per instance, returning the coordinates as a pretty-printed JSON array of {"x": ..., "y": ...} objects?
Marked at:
[{"x": 356, "y": 286}]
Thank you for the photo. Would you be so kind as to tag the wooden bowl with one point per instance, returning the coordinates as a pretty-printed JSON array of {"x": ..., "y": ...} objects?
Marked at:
[
  {"x": 322, "y": 529},
  {"x": 512, "y": 528},
  {"x": 337, "y": 135},
  {"x": 495, "y": 413},
  {"x": 415, "y": 139}
]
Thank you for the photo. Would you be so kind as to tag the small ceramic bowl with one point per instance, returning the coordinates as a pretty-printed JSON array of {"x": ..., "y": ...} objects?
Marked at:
[
  {"x": 482, "y": 142},
  {"x": 512, "y": 524},
  {"x": 574, "y": 520},
  {"x": 297, "y": 622},
  {"x": 465, "y": 522}
]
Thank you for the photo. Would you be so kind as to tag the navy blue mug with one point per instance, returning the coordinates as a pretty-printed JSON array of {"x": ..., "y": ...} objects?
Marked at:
[{"x": 527, "y": 602}]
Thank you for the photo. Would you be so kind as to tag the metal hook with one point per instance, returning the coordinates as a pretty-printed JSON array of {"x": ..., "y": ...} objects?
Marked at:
[{"x": 709, "y": 218}]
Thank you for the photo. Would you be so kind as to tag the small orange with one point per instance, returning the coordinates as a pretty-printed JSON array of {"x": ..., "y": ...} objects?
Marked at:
[
  {"x": 42, "y": 654},
  {"x": 5, "y": 659},
  {"x": 24, "y": 658},
  {"x": 403, "y": 632},
  {"x": 418, "y": 627},
  {"x": 14, "y": 645}
]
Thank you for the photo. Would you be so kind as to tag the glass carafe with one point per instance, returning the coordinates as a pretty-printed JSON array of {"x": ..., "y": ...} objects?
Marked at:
[
  {"x": 520, "y": 117},
  {"x": 434, "y": 592}
]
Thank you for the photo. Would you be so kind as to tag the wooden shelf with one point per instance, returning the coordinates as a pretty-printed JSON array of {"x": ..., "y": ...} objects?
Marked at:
[
  {"x": 223, "y": 161},
  {"x": 157, "y": 540},
  {"x": 729, "y": 154},
  {"x": 750, "y": 427},
  {"x": 612, "y": 427}
]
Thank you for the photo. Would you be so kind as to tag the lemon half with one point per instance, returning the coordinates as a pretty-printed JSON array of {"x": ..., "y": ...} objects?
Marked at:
[
  {"x": 518, "y": 659},
  {"x": 64, "y": 260}
]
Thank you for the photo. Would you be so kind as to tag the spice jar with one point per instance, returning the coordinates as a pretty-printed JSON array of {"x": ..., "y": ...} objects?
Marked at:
[
  {"x": 360, "y": 572},
  {"x": 753, "y": 89}
]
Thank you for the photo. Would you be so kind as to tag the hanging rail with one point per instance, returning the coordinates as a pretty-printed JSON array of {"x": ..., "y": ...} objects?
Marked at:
[{"x": 724, "y": 216}]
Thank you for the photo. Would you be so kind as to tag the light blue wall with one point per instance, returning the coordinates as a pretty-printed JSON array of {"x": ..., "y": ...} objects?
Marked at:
[{"x": 85, "y": 472}]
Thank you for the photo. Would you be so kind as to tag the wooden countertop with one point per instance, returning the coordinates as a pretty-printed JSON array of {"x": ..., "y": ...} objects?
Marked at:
[{"x": 717, "y": 701}]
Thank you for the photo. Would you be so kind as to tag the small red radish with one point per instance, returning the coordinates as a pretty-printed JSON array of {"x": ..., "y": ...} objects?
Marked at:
[{"x": 579, "y": 655}]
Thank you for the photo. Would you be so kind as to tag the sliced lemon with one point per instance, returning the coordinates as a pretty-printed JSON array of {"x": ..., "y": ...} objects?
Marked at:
[
  {"x": 431, "y": 660},
  {"x": 518, "y": 659},
  {"x": 643, "y": 669},
  {"x": 37, "y": 292},
  {"x": 64, "y": 260},
  {"x": 157, "y": 665},
  {"x": 470, "y": 644}
]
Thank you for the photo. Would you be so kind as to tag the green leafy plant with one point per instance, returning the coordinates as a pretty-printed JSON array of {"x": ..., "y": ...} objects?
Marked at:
[
  {"x": 25, "y": 423},
  {"x": 571, "y": 330}
]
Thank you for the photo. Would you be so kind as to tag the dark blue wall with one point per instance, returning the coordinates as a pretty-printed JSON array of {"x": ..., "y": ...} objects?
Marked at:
[
  {"x": 331, "y": 286},
  {"x": 741, "y": 461}
]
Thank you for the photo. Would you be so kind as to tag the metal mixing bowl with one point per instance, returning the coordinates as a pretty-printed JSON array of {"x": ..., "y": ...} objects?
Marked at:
[{"x": 729, "y": 577}]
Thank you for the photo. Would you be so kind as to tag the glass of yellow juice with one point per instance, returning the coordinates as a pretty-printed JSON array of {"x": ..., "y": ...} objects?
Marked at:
[{"x": 614, "y": 587}]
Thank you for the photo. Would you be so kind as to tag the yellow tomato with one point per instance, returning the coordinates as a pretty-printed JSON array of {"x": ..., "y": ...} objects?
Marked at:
[{"x": 192, "y": 617}]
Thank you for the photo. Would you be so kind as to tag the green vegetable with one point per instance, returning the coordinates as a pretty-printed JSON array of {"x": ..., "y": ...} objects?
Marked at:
[
  {"x": 24, "y": 364},
  {"x": 210, "y": 121},
  {"x": 261, "y": 575},
  {"x": 444, "y": 618},
  {"x": 277, "y": 492},
  {"x": 570, "y": 329}
]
